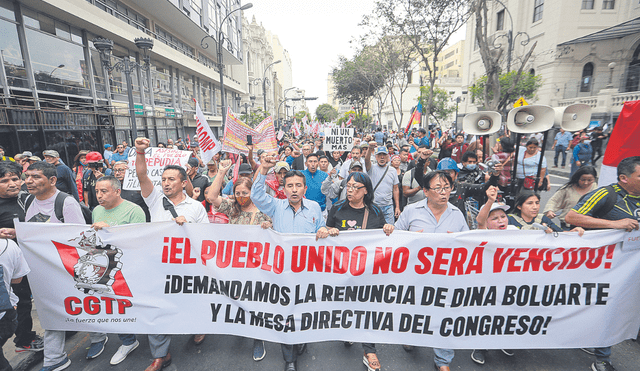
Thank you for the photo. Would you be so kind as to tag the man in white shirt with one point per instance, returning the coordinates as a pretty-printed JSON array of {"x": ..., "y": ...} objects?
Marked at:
[
  {"x": 165, "y": 204},
  {"x": 386, "y": 192}
]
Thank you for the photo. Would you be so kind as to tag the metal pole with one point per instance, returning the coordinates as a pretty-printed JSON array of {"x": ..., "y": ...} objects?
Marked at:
[
  {"x": 544, "y": 144},
  {"x": 220, "y": 69},
  {"x": 132, "y": 110}
]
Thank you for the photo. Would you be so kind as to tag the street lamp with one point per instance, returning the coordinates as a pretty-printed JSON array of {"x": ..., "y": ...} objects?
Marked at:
[
  {"x": 510, "y": 37},
  {"x": 53, "y": 70},
  {"x": 105, "y": 46},
  {"x": 280, "y": 105},
  {"x": 264, "y": 84},
  {"x": 205, "y": 45}
]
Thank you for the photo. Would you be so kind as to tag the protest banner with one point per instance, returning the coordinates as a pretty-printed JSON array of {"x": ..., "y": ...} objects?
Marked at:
[
  {"x": 236, "y": 131},
  {"x": 157, "y": 159},
  {"x": 477, "y": 289},
  {"x": 208, "y": 143},
  {"x": 338, "y": 139}
]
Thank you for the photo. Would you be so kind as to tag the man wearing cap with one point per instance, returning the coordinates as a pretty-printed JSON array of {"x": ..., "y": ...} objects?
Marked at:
[
  {"x": 276, "y": 186},
  {"x": 65, "y": 182},
  {"x": 89, "y": 178},
  {"x": 243, "y": 171},
  {"x": 199, "y": 181},
  {"x": 335, "y": 188},
  {"x": 386, "y": 192},
  {"x": 108, "y": 151},
  {"x": 422, "y": 139},
  {"x": 314, "y": 178},
  {"x": 356, "y": 153}
]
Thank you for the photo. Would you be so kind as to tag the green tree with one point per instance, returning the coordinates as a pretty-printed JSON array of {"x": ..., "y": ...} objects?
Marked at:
[
  {"x": 254, "y": 118},
  {"x": 524, "y": 85},
  {"x": 441, "y": 107},
  {"x": 360, "y": 120},
  {"x": 299, "y": 115},
  {"x": 326, "y": 113}
]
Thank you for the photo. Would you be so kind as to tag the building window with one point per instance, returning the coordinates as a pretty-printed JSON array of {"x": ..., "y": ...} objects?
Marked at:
[
  {"x": 608, "y": 4},
  {"x": 538, "y": 7},
  {"x": 532, "y": 72},
  {"x": 587, "y": 78},
  {"x": 500, "y": 21},
  {"x": 587, "y": 4},
  {"x": 409, "y": 77}
]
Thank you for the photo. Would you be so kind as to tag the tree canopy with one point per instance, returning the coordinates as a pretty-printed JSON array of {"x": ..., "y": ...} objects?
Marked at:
[
  {"x": 526, "y": 85},
  {"x": 326, "y": 113}
]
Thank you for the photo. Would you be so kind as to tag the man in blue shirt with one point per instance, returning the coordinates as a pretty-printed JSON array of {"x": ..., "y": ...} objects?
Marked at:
[
  {"x": 314, "y": 179},
  {"x": 119, "y": 155},
  {"x": 293, "y": 215},
  {"x": 561, "y": 143},
  {"x": 379, "y": 137},
  {"x": 422, "y": 139}
]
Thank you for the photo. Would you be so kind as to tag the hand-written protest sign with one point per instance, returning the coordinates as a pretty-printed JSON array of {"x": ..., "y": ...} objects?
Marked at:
[
  {"x": 157, "y": 159},
  {"x": 478, "y": 289},
  {"x": 338, "y": 139}
]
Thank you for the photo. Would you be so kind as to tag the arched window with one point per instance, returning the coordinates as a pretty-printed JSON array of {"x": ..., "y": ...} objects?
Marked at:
[
  {"x": 587, "y": 77},
  {"x": 532, "y": 72},
  {"x": 633, "y": 72}
]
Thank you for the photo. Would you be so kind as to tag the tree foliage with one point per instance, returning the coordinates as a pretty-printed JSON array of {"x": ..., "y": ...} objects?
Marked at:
[
  {"x": 255, "y": 117},
  {"x": 441, "y": 107},
  {"x": 525, "y": 86},
  {"x": 326, "y": 113},
  {"x": 360, "y": 121}
]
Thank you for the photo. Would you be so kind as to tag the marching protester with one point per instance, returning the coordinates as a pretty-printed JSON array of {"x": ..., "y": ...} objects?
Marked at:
[
  {"x": 300, "y": 162},
  {"x": 527, "y": 167},
  {"x": 357, "y": 212},
  {"x": 65, "y": 181},
  {"x": 434, "y": 214},
  {"x": 198, "y": 181},
  {"x": 386, "y": 190},
  {"x": 113, "y": 210},
  {"x": 95, "y": 172},
  {"x": 276, "y": 185},
  {"x": 582, "y": 153},
  {"x": 314, "y": 178},
  {"x": 119, "y": 171},
  {"x": 166, "y": 204},
  {"x": 582, "y": 182},
  {"x": 119, "y": 154},
  {"x": 458, "y": 148},
  {"x": 597, "y": 138},
  {"x": 293, "y": 215},
  {"x": 355, "y": 153},
  {"x": 40, "y": 207},
  {"x": 613, "y": 206}
]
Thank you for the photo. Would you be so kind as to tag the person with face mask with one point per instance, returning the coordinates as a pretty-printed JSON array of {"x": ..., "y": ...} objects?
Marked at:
[{"x": 470, "y": 173}]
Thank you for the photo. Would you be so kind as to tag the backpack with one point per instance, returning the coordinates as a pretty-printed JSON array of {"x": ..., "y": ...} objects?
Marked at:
[{"x": 59, "y": 205}]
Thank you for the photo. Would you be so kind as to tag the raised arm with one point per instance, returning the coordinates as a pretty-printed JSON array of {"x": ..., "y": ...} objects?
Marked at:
[
  {"x": 146, "y": 185},
  {"x": 213, "y": 192}
]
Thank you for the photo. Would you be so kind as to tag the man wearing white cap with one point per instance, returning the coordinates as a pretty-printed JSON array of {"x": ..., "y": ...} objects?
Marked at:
[
  {"x": 66, "y": 180},
  {"x": 385, "y": 182}
]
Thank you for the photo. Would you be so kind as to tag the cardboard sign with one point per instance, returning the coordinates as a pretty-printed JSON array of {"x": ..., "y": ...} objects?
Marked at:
[
  {"x": 157, "y": 159},
  {"x": 338, "y": 139}
]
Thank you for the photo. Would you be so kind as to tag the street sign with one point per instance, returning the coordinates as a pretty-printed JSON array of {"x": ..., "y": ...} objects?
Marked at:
[
  {"x": 138, "y": 109},
  {"x": 520, "y": 102}
]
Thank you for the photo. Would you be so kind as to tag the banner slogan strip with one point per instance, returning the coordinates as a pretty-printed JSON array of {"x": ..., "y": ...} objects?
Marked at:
[{"x": 477, "y": 289}]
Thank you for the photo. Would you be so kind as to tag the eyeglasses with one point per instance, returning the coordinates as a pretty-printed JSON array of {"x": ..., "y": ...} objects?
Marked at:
[
  {"x": 119, "y": 170},
  {"x": 441, "y": 189},
  {"x": 353, "y": 187}
]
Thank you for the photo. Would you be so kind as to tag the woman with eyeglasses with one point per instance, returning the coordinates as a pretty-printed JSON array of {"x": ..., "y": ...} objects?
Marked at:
[{"x": 357, "y": 212}]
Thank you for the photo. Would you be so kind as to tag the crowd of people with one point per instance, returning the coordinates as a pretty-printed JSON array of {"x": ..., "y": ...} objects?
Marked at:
[{"x": 423, "y": 181}]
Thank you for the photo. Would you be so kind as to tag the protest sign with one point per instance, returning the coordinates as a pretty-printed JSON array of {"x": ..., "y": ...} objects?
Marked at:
[
  {"x": 236, "y": 131},
  {"x": 157, "y": 159},
  {"x": 477, "y": 289},
  {"x": 338, "y": 139}
]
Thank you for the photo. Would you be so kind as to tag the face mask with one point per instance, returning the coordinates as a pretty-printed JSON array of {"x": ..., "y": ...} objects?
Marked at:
[
  {"x": 587, "y": 141},
  {"x": 471, "y": 166},
  {"x": 243, "y": 200}
]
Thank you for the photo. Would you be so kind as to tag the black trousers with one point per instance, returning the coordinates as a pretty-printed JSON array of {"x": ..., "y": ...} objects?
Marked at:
[
  {"x": 8, "y": 324},
  {"x": 24, "y": 332}
]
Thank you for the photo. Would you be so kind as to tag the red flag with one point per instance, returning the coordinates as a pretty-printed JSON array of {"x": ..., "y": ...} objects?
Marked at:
[{"x": 623, "y": 142}]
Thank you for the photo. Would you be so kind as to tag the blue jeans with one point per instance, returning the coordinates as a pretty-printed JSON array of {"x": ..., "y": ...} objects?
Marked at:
[
  {"x": 443, "y": 357},
  {"x": 603, "y": 354},
  {"x": 388, "y": 213},
  {"x": 559, "y": 149}
]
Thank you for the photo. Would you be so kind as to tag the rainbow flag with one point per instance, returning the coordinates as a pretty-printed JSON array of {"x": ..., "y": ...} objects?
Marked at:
[{"x": 416, "y": 117}]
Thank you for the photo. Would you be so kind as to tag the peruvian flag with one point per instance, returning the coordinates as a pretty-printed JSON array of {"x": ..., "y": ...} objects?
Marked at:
[
  {"x": 623, "y": 142},
  {"x": 316, "y": 128},
  {"x": 296, "y": 128}
]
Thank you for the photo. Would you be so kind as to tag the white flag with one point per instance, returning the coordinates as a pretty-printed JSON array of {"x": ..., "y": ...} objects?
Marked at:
[{"x": 209, "y": 145}]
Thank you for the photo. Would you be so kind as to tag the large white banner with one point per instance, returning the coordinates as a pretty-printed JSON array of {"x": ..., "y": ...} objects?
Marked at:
[
  {"x": 157, "y": 159},
  {"x": 478, "y": 289}
]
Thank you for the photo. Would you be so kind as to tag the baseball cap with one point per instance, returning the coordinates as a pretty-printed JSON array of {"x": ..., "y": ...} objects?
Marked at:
[
  {"x": 34, "y": 158},
  {"x": 382, "y": 150},
  {"x": 50, "y": 153},
  {"x": 260, "y": 151},
  {"x": 281, "y": 165},
  {"x": 499, "y": 205},
  {"x": 356, "y": 163},
  {"x": 245, "y": 169},
  {"x": 27, "y": 154},
  {"x": 364, "y": 145},
  {"x": 448, "y": 163},
  {"x": 107, "y": 146},
  {"x": 94, "y": 157},
  {"x": 194, "y": 144},
  {"x": 193, "y": 162}
]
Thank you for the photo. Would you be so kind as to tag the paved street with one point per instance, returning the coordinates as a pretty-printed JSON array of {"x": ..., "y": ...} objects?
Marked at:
[{"x": 223, "y": 352}]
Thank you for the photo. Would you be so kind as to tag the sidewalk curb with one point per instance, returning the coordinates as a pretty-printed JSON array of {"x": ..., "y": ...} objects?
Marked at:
[{"x": 29, "y": 361}]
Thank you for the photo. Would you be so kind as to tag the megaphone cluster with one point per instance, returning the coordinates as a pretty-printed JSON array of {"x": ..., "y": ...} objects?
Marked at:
[{"x": 529, "y": 119}]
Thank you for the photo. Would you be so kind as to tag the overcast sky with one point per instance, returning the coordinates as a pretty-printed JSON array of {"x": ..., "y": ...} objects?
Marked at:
[{"x": 314, "y": 33}]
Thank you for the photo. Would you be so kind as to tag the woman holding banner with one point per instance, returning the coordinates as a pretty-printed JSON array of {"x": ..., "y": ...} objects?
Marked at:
[
  {"x": 357, "y": 212},
  {"x": 240, "y": 210}
]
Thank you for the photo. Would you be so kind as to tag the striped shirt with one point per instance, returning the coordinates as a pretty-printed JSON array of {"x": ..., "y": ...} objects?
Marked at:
[{"x": 626, "y": 206}]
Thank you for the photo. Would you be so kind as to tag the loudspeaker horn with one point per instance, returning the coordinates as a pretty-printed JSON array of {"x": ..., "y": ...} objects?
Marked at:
[
  {"x": 573, "y": 117},
  {"x": 530, "y": 119},
  {"x": 482, "y": 123}
]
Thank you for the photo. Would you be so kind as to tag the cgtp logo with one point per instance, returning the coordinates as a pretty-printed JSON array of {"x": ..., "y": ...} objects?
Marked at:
[{"x": 98, "y": 270}]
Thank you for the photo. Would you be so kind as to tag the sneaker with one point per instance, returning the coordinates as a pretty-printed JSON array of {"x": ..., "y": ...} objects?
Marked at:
[
  {"x": 66, "y": 362},
  {"x": 508, "y": 352},
  {"x": 478, "y": 356},
  {"x": 602, "y": 366},
  {"x": 36, "y": 345},
  {"x": 258, "y": 350},
  {"x": 123, "y": 352},
  {"x": 95, "y": 349},
  {"x": 371, "y": 361},
  {"x": 589, "y": 351}
]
